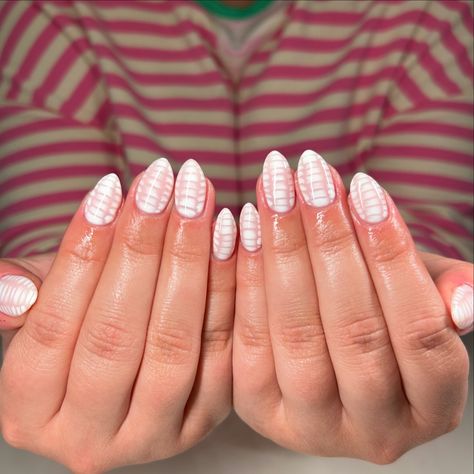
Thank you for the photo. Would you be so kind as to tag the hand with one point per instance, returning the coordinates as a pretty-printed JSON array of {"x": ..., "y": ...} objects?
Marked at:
[
  {"x": 343, "y": 345},
  {"x": 126, "y": 355}
]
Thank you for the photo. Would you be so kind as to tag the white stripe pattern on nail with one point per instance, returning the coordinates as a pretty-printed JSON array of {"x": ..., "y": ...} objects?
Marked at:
[
  {"x": 190, "y": 189},
  {"x": 104, "y": 200},
  {"x": 315, "y": 180},
  {"x": 250, "y": 231},
  {"x": 462, "y": 304},
  {"x": 155, "y": 187},
  {"x": 278, "y": 184},
  {"x": 368, "y": 198},
  {"x": 225, "y": 233},
  {"x": 17, "y": 294}
]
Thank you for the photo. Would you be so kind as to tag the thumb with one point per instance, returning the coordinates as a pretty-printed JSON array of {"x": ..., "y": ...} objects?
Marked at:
[
  {"x": 454, "y": 280},
  {"x": 20, "y": 280}
]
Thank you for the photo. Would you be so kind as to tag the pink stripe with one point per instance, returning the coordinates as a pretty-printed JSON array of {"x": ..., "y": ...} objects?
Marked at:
[
  {"x": 304, "y": 15},
  {"x": 438, "y": 247},
  {"x": 420, "y": 179},
  {"x": 57, "y": 172},
  {"x": 293, "y": 99},
  {"x": 17, "y": 33},
  {"x": 461, "y": 207},
  {"x": 463, "y": 9},
  {"x": 29, "y": 204},
  {"x": 31, "y": 59},
  {"x": 17, "y": 251},
  {"x": 443, "y": 223},
  {"x": 9, "y": 234},
  {"x": 192, "y": 54},
  {"x": 161, "y": 7},
  {"x": 50, "y": 149},
  {"x": 222, "y": 104},
  {"x": 419, "y": 153},
  {"x": 5, "y": 9},
  {"x": 82, "y": 92}
]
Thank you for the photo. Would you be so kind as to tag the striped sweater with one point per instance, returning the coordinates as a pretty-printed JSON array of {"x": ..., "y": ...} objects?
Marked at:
[{"x": 87, "y": 88}]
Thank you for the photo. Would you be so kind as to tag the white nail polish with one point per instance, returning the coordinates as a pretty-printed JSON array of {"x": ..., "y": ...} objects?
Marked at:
[
  {"x": 315, "y": 180},
  {"x": 190, "y": 190},
  {"x": 278, "y": 184},
  {"x": 155, "y": 187},
  {"x": 368, "y": 199},
  {"x": 250, "y": 232},
  {"x": 104, "y": 200},
  {"x": 462, "y": 306},
  {"x": 17, "y": 294},
  {"x": 225, "y": 233}
]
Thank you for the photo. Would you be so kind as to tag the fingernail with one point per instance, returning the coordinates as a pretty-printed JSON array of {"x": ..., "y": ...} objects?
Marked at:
[
  {"x": 17, "y": 294},
  {"x": 315, "y": 180},
  {"x": 462, "y": 306},
  {"x": 250, "y": 233},
  {"x": 104, "y": 200},
  {"x": 190, "y": 189},
  {"x": 368, "y": 199},
  {"x": 225, "y": 232},
  {"x": 278, "y": 184},
  {"x": 155, "y": 187}
]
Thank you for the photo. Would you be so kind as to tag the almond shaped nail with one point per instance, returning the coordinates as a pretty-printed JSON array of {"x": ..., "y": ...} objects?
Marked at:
[
  {"x": 155, "y": 187},
  {"x": 315, "y": 180},
  {"x": 190, "y": 190},
  {"x": 17, "y": 294},
  {"x": 250, "y": 231},
  {"x": 462, "y": 305},
  {"x": 278, "y": 184},
  {"x": 104, "y": 200},
  {"x": 225, "y": 233},
  {"x": 368, "y": 198}
]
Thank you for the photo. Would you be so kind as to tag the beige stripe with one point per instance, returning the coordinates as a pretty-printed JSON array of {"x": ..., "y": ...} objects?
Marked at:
[
  {"x": 425, "y": 193},
  {"x": 40, "y": 247},
  {"x": 43, "y": 212},
  {"x": 47, "y": 162},
  {"x": 11, "y": 20},
  {"x": 56, "y": 229}
]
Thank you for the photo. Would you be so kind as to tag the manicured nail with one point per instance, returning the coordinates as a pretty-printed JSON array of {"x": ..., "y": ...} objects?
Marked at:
[
  {"x": 190, "y": 189},
  {"x": 315, "y": 180},
  {"x": 225, "y": 233},
  {"x": 17, "y": 294},
  {"x": 368, "y": 198},
  {"x": 155, "y": 187},
  {"x": 462, "y": 306},
  {"x": 104, "y": 200},
  {"x": 250, "y": 233},
  {"x": 278, "y": 184}
]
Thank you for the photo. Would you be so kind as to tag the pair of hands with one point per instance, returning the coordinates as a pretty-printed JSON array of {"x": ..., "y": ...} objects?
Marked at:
[{"x": 332, "y": 338}]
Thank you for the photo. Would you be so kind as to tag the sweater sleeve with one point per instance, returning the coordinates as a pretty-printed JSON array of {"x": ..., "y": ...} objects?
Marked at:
[
  {"x": 54, "y": 139},
  {"x": 422, "y": 151}
]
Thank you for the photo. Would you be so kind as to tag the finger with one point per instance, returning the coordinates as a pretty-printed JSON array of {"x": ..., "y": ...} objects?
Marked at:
[
  {"x": 256, "y": 391},
  {"x": 357, "y": 337},
  {"x": 18, "y": 293},
  {"x": 303, "y": 366},
  {"x": 173, "y": 341},
  {"x": 211, "y": 397},
  {"x": 111, "y": 341},
  {"x": 36, "y": 368},
  {"x": 432, "y": 359}
]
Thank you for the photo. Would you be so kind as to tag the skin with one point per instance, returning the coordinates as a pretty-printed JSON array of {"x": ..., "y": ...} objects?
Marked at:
[
  {"x": 112, "y": 344},
  {"x": 363, "y": 336}
]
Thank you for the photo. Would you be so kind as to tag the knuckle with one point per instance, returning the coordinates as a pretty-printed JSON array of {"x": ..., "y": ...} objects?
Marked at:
[
  {"x": 135, "y": 242},
  {"x": 388, "y": 453},
  {"x": 171, "y": 345},
  {"x": 108, "y": 339},
  {"x": 47, "y": 326},
  {"x": 428, "y": 334},
  {"x": 335, "y": 241},
  {"x": 83, "y": 464},
  {"x": 389, "y": 251},
  {"x": 301, "y": 337},
  {"x": 216, "y": 340},
  {"x": 187, "y": 252},
  {"x": 363, "y": 333},
  {"x": 287, "y": 245},
  {"x": 253, "y": 337},
  {"x": 13, "y": 433},
  {"x": 83, "y": 251}
]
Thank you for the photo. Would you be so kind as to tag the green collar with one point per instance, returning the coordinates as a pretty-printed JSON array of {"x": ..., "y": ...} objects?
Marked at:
[{"x": 217, "y": 8}]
